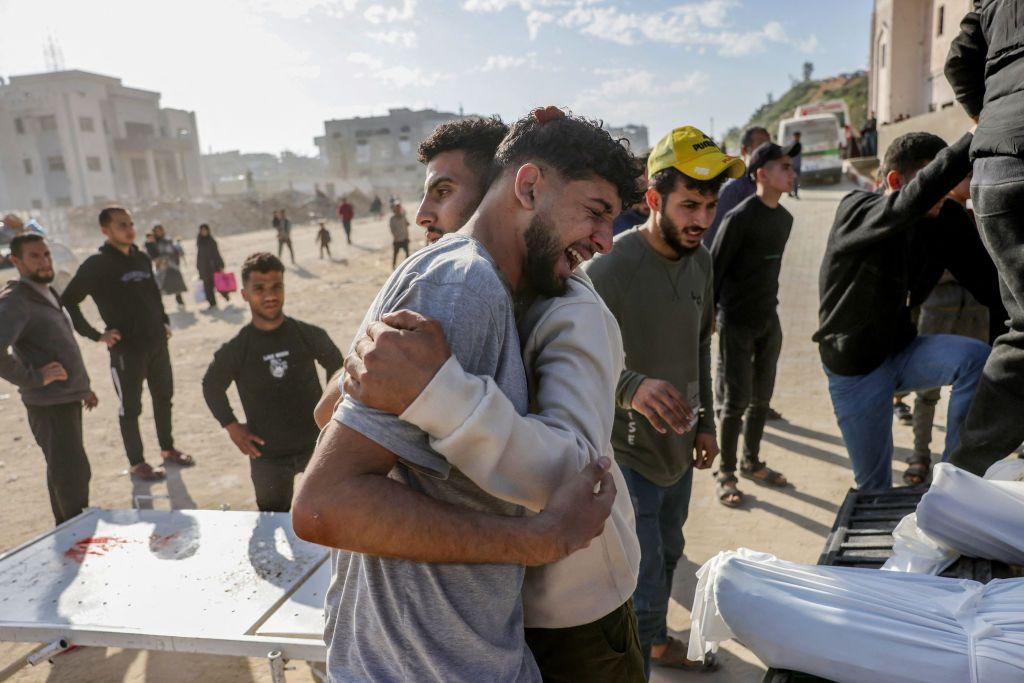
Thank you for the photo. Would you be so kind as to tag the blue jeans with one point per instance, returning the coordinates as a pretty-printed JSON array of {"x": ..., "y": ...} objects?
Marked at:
[
  {"x": 660, "y": 514},
  {"x": 863, "y": 403}
]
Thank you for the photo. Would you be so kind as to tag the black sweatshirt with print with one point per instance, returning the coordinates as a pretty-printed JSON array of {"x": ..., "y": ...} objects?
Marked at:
[
  {"x": 276, "y": 378},
  {"x": 126, "y": 294}
]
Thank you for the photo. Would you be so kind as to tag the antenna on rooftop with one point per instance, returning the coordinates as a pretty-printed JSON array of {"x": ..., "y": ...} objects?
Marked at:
[{"x": 53, "y": 55}]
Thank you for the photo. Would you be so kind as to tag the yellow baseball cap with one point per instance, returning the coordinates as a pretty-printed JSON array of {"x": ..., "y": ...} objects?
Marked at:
[{"x": 694, "y": 154}]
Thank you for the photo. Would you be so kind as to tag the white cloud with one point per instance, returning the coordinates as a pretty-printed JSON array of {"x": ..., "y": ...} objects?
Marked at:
[
  {"x": 694, "y": 25},
  {"x": 505, "y": 62},
  {"x": 365, "y": 59},
  {"x": 535, "y": 19},
  {"x": 633, "y": 94},
  {"x": 809, "y": 45},
  {"x": 381, "y": 14},
  {"x": 397, "y": 75},
  {"x": 407, "y": 76},
  {"x": 294, "y": 9},
  {"x": 525, "y": 5},
  {"x": 403, "y": 38}
]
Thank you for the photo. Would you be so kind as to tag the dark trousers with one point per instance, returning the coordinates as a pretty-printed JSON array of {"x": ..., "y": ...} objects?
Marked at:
[
  {"x": 399, "y": 246},
  {"x": 605, "y": 650},
  {"x": 273, "y": 478},
  {"x": 58, "y": 431},
  {"x": 210, "y": 290},
  {"x": 280, "y": 247},
  {"x": 129, "y": 367},
  {"x": 325, "y": 247},
  {"x": 994, "y": 428},
  {"x": 748, "y": 358},
  {"x": 347, "y": 225},
  {"x": 661, "y": 512}
]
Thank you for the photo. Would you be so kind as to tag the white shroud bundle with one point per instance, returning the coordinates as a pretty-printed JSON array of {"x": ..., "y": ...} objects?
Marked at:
[
  {"x": 853, "y": 625},
  {"x": 962, "y": 514},
  {"x": 974, "y": 516}
]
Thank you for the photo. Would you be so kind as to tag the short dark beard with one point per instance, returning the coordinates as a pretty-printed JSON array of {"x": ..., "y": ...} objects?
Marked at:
[
  {"x": 670, "y": 234},
  {"x": 543, "y": 249},
  {"x": 34, "y": 277}
]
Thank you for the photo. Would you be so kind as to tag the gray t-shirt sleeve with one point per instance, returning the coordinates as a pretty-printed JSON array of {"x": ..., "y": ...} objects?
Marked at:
[{"x": 469, "y": 317}]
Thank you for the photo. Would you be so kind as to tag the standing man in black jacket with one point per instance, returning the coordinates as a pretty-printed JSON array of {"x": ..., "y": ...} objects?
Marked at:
[
  {"x": 886, "y": 250},
  {"x": 746, "y": 261},
  {"x": 120, "y": 281},
  {"x": 272, "y": 363},
  {"x": 986, "y": 69},
  {"x": 48, "y": 369}
]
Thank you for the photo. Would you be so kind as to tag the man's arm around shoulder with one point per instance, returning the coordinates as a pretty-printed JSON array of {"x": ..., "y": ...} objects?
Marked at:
[{"x": 525, "y": 458}]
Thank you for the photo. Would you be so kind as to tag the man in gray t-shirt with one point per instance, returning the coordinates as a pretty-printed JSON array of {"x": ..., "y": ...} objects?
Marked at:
[
  {"x": 430, "y": 585},
  {"x": 457, "y": 283}
]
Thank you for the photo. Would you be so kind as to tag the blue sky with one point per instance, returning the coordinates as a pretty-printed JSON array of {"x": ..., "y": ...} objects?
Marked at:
[{"x": 263, "y": 75}]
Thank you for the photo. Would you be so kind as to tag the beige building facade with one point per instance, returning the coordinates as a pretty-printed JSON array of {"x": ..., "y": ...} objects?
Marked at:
[
  {"x": 380, "y": 149},
  {"x": 74, "y": 138},
  {"x": 908, "y": 90}
]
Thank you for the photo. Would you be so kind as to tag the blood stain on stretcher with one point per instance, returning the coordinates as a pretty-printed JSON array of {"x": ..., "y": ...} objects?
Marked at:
[{"x": 93, "y": 545}]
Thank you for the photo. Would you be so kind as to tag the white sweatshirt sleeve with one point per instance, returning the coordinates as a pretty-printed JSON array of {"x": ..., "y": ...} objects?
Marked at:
[{"x": 576, "y": 355}]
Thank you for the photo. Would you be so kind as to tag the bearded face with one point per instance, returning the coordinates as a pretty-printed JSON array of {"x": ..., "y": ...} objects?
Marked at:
[
  {"x": 671, "y": 233},
  {"x": 543, "y": 250}
]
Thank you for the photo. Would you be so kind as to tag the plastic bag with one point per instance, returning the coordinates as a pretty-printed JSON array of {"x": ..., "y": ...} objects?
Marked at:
[
  {"x": 224, "y": 282},
  {"x": 198, "y": 291},
  {"x": 915, "y": 551}
]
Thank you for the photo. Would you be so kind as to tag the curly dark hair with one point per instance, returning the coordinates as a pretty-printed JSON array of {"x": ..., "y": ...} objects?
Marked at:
[
  {"x": 477, "y": 136},
  {"x": 577, "y": 148},
  {"x": 261, "y": 262},
  {"x": 665, "y": 181}
]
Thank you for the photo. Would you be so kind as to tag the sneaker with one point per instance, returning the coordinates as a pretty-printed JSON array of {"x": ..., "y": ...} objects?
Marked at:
[
  {"x": 774, "y": 415},
  {"x": 903, "y": 413}
]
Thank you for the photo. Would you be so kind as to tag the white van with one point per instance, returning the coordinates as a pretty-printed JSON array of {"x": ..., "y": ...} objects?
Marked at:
[{"x": 820, "y": 136}]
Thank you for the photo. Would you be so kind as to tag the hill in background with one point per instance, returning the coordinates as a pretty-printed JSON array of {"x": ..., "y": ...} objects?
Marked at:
[{"x": 853, "y": 88}]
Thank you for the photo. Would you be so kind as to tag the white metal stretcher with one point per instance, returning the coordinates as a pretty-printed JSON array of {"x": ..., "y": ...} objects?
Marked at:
[{"x": 192, "y": 581}]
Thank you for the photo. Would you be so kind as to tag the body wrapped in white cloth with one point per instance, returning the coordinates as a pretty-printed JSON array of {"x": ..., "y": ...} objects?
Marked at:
[
  {"x": 963, "y": 514},
  {"x": 853, "y": 625}
]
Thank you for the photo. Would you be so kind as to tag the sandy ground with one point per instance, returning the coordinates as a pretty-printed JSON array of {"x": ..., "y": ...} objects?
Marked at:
[{"x": 791, "y": 523}]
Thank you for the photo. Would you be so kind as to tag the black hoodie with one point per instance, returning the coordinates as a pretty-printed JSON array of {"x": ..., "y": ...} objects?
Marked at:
[
  {"x": 126, "y": 294},
  {"x": 883, "y": 252}
]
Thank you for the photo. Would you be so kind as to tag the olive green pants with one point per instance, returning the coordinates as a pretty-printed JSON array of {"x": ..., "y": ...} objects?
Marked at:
[{"x": 604, "y": 650}]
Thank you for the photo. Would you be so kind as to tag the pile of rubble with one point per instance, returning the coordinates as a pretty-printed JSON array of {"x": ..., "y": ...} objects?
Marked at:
[{"x": 226, "y": 216}]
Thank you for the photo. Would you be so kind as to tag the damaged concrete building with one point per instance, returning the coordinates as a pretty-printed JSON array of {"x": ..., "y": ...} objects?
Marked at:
[{"x": 74, "y": 138}]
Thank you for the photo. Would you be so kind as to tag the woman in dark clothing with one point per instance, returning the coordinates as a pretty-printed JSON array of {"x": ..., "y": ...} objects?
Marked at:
[
  {"x": 166, "y": 263},
  {"x": 208, "y": 262}
]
